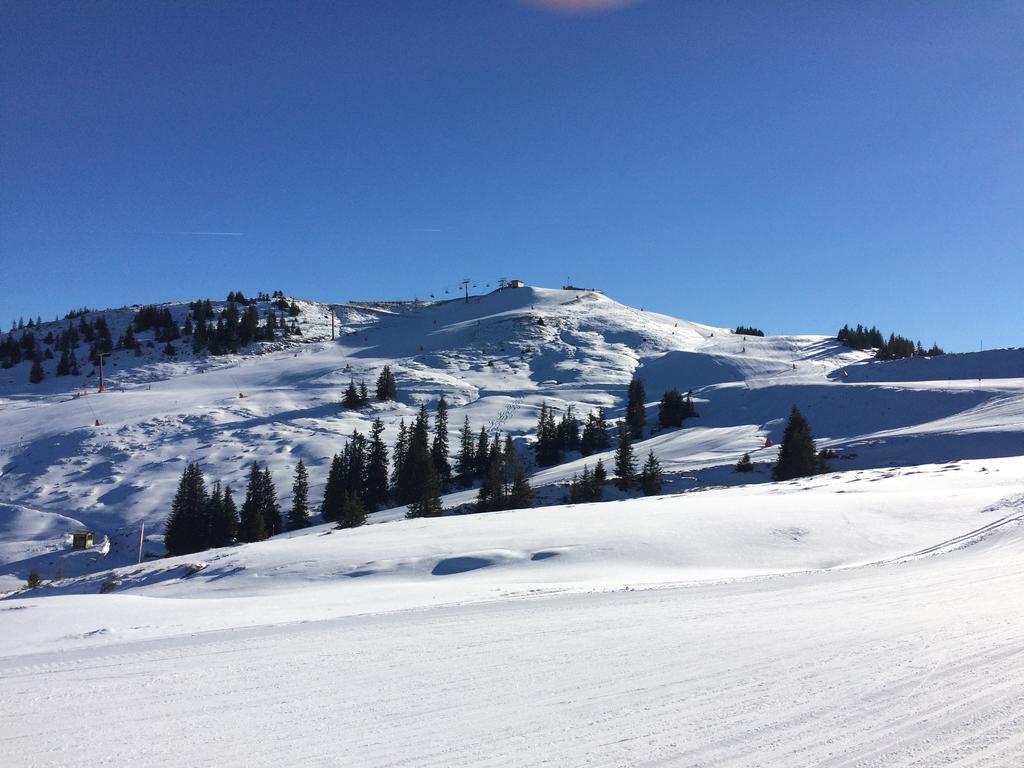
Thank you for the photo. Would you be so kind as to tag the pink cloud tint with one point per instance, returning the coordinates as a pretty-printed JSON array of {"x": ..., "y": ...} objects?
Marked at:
[{"x": 579, "y": 6}]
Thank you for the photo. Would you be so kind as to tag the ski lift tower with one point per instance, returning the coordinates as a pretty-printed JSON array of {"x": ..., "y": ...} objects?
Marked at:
[
  {"x": 465, "y": 284},
  {"x": 101, "y": 356}
]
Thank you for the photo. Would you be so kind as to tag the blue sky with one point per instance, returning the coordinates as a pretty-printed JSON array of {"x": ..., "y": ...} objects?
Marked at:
[{"x": 789, "y": 165}]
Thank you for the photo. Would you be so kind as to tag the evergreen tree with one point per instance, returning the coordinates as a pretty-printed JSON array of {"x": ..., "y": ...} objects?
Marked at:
[
  {"x": 376, "y": 469},
  {"x": 354, "y": 457},
  {"x": 651, "y": 476},
  {"x": 439, "y": 448},
  {"x": 483, "y": 450},
  {"x": 334, "y": 491},
  {"x": 387, "y": 388},
  {"x": 252, "y": 524},
  {"x": 599, "y": 480},
  {"x": 298, "y": 515},
  {"x": 223, "y": 518},
  {"x": 636, "y": 415},
  {"x": 797, "y": 457},
  {"x": 353, "y": 513},
  {"x": 351, "y": 399},
  {"x": 401, "y": 453},
  {"x": 271, "y": 509},
  {"x": 36, "y": 374},
  {"x": 674, "y": 409},
  {"x": 625, "y": 464},
  {"x": 745, "y": 464},
  {"x": 547, "y": 446},
  {"x": 364, "y": 397},
  {"x": 64, "y": 364},
  {"x": 187, "y": 528},
  {"x": 569, "y": 431},
  {"x": 420, "y": 484},
  {"x": 595, "y": 436},
  {"x": 465, "y": 463}
]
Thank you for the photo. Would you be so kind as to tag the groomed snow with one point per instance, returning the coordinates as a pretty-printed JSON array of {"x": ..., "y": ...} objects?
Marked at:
[{"x": 859, "y": 619}]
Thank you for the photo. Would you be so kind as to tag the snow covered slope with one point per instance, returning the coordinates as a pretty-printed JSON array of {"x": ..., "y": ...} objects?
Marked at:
[
  {"x": 495, "y": 358},
  {"x": 864, "y": 618}
]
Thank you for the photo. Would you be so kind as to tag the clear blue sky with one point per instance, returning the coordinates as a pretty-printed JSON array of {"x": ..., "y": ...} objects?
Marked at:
[{"x": 788, "y": 165}]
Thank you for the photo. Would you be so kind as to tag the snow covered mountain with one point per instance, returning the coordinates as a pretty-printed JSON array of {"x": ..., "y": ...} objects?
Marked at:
[
  {"x": 111, "y": 461},
  {"x": 731, "y": 621}
]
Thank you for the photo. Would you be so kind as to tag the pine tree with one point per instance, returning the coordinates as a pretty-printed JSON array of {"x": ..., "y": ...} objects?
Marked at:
[
  {"x": 354, "y": 457},
  {"x": 651, "y": 476},
  {"x": 569, "y": 431},
  {"x": 672, "y": 409},
  {"x": 595, "y": 436},
  {"x": 364, "y": 396},
  {"x": 298, "y": 515},
  {"x": 223, "y": 517},
  {"x": 439, "y": 448},
  {"x": 400, "y": 456},
  {"x": 271, "y": 509},
  {"x": 625, "y": 464},
  {"x": 334, "y": 491},
  {"x": 353, "y": 513},
  {"x": 387, "y": 388},
  {"x": 547, "y": 445},
  {"x": 376, "y": 469},
  {"x": 745, "y": 464},
  {"x": 187, "y": 528},
  {"x": 465, "y": 463},
  {"x": 483, "y": 450},
  {"x": 520, "y": 495},
  {"x": 797, "y": 457},
  {"x": 351, "y": 399},
  {"x": 420, "y": 483},
  {"x": 36, "y": 374},
  {"x": 252, "y": 525},
  {"x": 636, "y": 415}
]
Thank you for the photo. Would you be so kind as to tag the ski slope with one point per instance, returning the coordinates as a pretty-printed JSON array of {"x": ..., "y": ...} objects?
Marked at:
[
  {"x": 496, "y": 359},
  {"x": 864, "y": 618}
]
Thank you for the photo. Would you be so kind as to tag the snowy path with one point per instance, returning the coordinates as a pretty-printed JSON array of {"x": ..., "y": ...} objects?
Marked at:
[{"x": 916, "y": 663}]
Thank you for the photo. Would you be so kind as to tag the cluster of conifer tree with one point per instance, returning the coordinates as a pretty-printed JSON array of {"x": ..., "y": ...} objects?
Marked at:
[
  {"x": 590, "y": 486},
  {"x": 748, "y": 330},
  {"x": 797, "y": 457},
  {"x": 94, "y": 332},
  {"x": 675, "y": 409},
  {"x": 504, "y": 484},
  {"x": 359, "y": 397},
  {"x": 893, "y": 348}
]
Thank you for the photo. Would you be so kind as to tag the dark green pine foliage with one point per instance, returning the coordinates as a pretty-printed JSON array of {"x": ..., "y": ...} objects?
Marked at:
[
  {"x": 465, "y": 466},
  {"x": 364, "y": 395},
  {"x": 351, "y": 398},
  {"x": 600, "y": 477},
  {"x": 223, "y": 518},
  {"x": 675, "y": 408},
  {"x": 354, "y": 456},
  {"x": 420, "y": 483},
  {"x": 569, "y": 431},
  {"x": 636, "y": 415},
  {"x": 353, "y": 512},
  {"x": 252, "y": 526},
  {"x": 271, "y": 509},
  {"x": 36, "y": 374},
  {"x": 745, "y": 464},
  {"x": 387, "y": 388},
  {"x": 187, "y": 528},
  {"x": 483, "y": 451},
  {"x": 588, "y": 487},
  {"x": 651, "y": 479},
  {"x": 439, "y": 448},
  {"x": 595, "y": 437},
  {"x": 625, "y": 463},
  {"x": 334, "y": 491},
  {"x": 376, "y": 492},
  {"x": 797, "y": 457},
  {"x": 547, "y": 447},
  {"x": 298, "y": 514},
  {"x": 505, "y": 485},
  {"x": 398, "y": 469}
]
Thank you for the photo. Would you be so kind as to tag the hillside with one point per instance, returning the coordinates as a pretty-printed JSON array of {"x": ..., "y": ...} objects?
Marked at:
[{"x": 496, "y": 359}]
